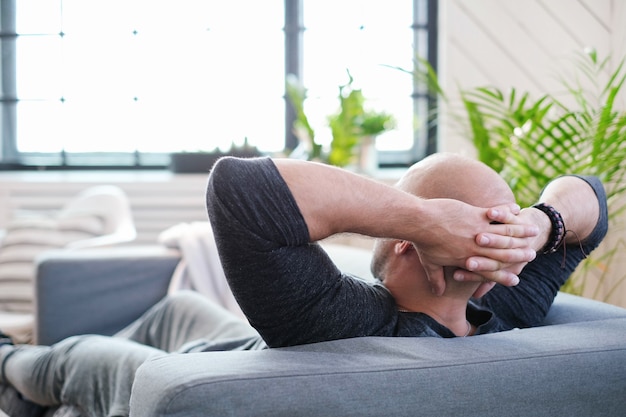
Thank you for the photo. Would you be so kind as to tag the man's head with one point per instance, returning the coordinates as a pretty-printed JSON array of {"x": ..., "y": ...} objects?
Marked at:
[
  {"x": 441, "y": 175},
  {"x": 446, "y": 175}
]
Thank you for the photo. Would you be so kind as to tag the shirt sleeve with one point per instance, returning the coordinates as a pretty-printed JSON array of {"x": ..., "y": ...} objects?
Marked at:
[
  {"x": 288, "y": 287},
  {"x": 527, "y": 304}
]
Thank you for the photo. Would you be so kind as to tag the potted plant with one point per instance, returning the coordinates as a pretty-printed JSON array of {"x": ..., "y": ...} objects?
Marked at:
[{"x": 354, "y": 128}]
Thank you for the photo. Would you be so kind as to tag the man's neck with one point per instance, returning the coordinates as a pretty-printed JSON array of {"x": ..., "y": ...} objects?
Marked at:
[{"x": 449, "y": 309}]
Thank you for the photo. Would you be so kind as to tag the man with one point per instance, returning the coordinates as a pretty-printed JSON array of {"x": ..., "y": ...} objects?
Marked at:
[
  {"x": 267, "y": 233},
  {"x": 266, "y": 214}
]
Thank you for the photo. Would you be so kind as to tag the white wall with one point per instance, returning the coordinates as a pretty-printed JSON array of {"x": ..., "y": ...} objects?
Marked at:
[
  {"x": 522, "y": 44},
  {"x": 526, "y": 45},
  {"x": 158, "y": 200}
]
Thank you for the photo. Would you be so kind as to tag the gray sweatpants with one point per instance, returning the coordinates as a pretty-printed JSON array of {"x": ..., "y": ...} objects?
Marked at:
[{"x": 95, "y": 373}]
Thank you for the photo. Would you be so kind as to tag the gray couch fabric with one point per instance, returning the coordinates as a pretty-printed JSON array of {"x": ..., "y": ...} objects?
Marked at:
[
  {"x": 574, "y": 365},
  {"x": 573, "y": 370}
]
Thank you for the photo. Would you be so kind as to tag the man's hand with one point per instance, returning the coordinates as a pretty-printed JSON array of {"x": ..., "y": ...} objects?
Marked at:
[
  {"x": 498, "y": 271},
  {"x": 467, "y": 237}
]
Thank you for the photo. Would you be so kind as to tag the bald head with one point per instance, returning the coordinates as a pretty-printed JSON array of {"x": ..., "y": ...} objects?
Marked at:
[{"x": 446, "y": 175}]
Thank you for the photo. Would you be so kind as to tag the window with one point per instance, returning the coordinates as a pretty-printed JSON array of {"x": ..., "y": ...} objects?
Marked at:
[{"x": 126, "y": 82}]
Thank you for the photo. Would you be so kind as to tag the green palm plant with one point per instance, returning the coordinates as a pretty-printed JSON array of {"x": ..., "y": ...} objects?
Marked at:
[{"x": 531, "y": 141}]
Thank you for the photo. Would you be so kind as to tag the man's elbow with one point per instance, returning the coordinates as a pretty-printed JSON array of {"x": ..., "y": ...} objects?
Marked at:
[{"x": 222, "y": 176}]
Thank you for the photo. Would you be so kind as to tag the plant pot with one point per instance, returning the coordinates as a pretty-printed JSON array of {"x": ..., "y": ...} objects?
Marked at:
[
  {"x": 193, "y": 162},
  {"x": 368, "y": 155}
]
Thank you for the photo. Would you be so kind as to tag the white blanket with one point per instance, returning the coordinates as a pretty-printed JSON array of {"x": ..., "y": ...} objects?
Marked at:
[{"x": 200, "y": 268}]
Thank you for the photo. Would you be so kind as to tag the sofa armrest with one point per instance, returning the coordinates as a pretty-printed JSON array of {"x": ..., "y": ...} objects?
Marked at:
[
  {"x": 98, "y": 290},
  {"x": 568, "y": 308},
  {"x": 571, "y": 369}
]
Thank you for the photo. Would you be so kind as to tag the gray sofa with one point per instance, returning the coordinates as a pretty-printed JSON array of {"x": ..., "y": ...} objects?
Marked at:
[{"x": 574, "y": 365}]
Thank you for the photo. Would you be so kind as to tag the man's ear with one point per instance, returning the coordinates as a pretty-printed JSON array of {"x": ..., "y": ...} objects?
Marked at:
[{"x": 401, "y": 247}]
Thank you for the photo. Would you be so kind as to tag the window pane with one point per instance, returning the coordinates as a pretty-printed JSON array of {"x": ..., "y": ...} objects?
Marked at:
[
  {"x": 152, "y": 75},
  {"x": 365, "y": 37},
  {"x": 39, "y": 67},
  {"x": 39, "y": 126},
  {"x": 38, "y": 16}
]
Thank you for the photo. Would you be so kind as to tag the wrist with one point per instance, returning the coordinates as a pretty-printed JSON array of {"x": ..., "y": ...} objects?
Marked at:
[
  {"x": 541, "y": 220},
  {"x": 556, "y": 228}
]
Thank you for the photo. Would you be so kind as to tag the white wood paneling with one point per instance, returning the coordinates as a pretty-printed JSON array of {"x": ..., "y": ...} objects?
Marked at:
[
  {"x": 527, "y": 45},
  {"x": 618, "y": 40},
  {"x": 158, "y": 200}
]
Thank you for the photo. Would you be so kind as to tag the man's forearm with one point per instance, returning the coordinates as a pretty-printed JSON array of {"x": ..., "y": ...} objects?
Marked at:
[
  {"x": 577, "y": 203},
  {"x": 334, "y": 201}
]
